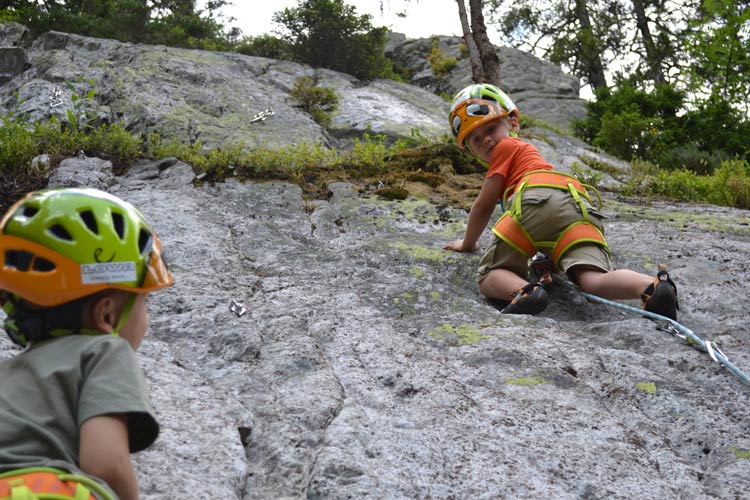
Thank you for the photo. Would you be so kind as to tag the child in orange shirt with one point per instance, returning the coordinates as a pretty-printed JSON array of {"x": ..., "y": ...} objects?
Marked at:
[{"x": 546, "y": 210}]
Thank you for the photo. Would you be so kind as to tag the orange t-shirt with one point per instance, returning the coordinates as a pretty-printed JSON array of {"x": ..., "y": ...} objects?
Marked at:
[{"x": 512, "y": 158}]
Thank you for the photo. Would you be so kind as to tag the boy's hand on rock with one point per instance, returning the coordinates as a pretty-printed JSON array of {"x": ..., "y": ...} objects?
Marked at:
[{"x": 458, "y": 246}]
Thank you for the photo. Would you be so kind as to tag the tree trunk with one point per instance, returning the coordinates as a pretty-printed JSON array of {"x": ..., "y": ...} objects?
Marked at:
[
  {"x": 477, "y": 72},
  {"x": 487, "y": 53},
  {"x": 589, "y": 55},
  {"x": 654, "y": 58}
]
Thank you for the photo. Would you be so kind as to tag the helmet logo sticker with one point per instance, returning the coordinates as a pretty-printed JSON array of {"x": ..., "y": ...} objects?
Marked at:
[
  {"x": 99, "y": 251},
  {"x": 108, "y": 272}
]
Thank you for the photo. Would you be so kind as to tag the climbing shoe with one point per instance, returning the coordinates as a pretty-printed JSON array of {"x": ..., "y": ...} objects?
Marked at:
[
  {"x": 661, "y": 296},
  {"x": 531, "y": 299}
]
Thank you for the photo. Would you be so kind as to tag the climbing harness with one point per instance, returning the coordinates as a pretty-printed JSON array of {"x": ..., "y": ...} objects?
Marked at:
[
  {"x": 43, "y": 483},
  {"x": 539, "y": 266},
  {"x": 509, "y": 227}
]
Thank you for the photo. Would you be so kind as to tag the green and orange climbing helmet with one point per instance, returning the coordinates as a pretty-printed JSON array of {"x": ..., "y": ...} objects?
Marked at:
[
  {"x": 59, "y": 245},
  {"x": 476, "y": 105}
]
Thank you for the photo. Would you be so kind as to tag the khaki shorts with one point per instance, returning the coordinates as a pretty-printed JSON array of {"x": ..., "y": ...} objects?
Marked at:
[{"x": 545, "y": 213}]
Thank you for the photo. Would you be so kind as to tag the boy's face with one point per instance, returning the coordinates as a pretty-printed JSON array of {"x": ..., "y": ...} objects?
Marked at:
[
  {"x": 137, "y": 323},
  {"x": 482, "y": 140}
]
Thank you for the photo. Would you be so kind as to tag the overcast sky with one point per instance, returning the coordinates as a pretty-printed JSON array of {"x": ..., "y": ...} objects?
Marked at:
[{"x": 423, "y": 17}]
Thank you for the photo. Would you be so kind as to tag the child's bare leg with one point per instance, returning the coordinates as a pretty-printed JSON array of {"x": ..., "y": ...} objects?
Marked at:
[
  {"x": 613, "y": 285},
  {"x": 501, "y": 284}
]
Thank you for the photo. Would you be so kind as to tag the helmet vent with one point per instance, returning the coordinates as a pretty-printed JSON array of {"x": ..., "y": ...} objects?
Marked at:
[
  {"x": 18, "y": 259},
  {"x": 119, "y": 222},
  {"x": 60, "y": 232},
  {"x": 144, "y": 241},
  {"x": 43, "y": 265},
  {"x": 29, "y": 211},
  {"x": 88, "y": 218}
]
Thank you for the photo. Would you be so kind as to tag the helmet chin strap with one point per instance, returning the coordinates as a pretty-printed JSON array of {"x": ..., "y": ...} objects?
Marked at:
[
  {"x": 24, "y": 326},
  {"x": 125, "y": 314}
]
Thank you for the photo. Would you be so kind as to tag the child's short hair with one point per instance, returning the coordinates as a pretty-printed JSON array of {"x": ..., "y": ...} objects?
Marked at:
[{"x": 60, "y": 247}]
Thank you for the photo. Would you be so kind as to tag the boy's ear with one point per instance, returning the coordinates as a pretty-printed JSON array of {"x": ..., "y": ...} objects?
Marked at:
[
  {"x": 102, "y": 314},
  {"x": 514, "y": 124}
]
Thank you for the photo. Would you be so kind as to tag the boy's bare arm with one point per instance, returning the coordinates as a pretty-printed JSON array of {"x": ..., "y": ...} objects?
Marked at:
[
  {"x": 479, "y": 216},
  {"x": 104, "y": 452}
]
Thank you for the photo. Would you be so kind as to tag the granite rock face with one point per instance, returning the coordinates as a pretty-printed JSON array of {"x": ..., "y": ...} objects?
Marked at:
[
  {"x": 367, "y": 365},
  {"x": 214, "y": 98},
  {"x": 218, "y": 98},
  {"x": 14, "y": 39}
]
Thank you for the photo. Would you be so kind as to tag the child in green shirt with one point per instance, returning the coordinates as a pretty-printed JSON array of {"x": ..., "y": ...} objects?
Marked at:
[{"x": 76, "y": 266}]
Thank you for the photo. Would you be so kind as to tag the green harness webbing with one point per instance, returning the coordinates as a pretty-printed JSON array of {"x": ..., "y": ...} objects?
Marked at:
[{"x": 516, "y": 210}]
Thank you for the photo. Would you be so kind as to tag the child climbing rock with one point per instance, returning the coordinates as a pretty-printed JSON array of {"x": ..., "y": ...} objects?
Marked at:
[{"x": 546, "y": 210}]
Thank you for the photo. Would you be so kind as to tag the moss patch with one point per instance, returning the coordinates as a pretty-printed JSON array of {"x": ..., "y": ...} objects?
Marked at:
[
  {"x": 422, "y": 253},
  {"x": 392, "y": 193},
  {"x": 464, "y": 334},
  {"x": 526, "y": 381},
  {"x": 648, "y": 387},
  {"x": 416, "y": 272},
  {"x": 743, "y": 454}
]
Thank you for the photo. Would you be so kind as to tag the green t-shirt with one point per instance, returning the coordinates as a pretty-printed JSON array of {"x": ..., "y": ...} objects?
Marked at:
[{"x": 50, "y": 389}]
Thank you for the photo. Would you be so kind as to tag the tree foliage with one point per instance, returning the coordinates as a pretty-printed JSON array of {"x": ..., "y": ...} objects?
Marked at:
[
  {"x": 575, "y": 34},
  {"x": 654, "y": 125},
  {"x": 319, "y": 102},
  {"x": 330, "y": 34},
  {"x": 265, "y": 46},
  {"x": 678, "y": 80},
  {"x": 170, "y": 22},
  {"x": 717, "y": 43}
]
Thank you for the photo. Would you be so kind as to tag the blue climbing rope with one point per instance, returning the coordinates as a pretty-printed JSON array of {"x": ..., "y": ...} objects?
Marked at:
[
  {"x": 677, "y": 330},
  {"x": 542, "y": 268}
]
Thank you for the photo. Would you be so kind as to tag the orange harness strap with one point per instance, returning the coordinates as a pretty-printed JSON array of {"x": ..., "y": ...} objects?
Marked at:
[
  {"x": 578, "y": 232},
  {"x": 42, "y": 483},
  {"x": 510, "y": 231}
]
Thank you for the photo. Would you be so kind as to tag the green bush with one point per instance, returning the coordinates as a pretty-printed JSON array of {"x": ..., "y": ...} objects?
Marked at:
[
  {"x": 17, "y": 145},
  {"x": 174, "y": 23},
  {"x": 691, "y": 157},
  {"x": 440, "y": 63},
  {"x": 661, "y": 127},
  {"x": 265, "y": 46},
  {"x": 319, "y": 102},
  {"x": 20, "y": 142},
  {"x": 730, "y": 186},
  {"x": 115, "y": 143}
]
